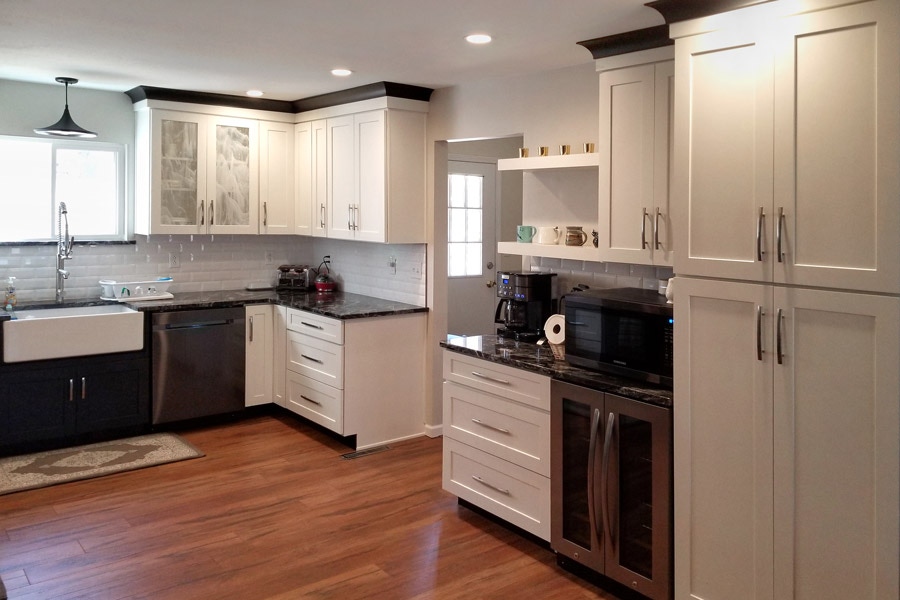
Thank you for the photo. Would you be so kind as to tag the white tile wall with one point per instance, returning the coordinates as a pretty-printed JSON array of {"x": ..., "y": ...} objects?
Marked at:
[
  {"x": 599, "y": 274},
  {"x": 220, "y": 262}
]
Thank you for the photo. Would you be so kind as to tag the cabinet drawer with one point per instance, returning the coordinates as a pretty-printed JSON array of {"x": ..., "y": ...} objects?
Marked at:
[
  {"x": 514, "y": 384},
  {"x": 509, "y": 430},
  {"x": 316, "y": 401},
  {"x": 324, "y": 328},
  {"x": 508, "y": 491},
  {"x": 320, "y": 360}
]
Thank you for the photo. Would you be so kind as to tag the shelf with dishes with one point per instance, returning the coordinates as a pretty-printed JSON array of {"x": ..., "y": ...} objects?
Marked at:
[{"x": 586, "y": 252}]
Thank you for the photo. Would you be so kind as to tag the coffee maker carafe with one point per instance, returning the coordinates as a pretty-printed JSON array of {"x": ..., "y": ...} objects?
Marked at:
[{"x": 526, "y": 302}]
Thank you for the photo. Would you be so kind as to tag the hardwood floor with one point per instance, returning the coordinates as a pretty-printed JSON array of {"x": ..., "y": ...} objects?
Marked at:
[{"x": 271, "y": 512}]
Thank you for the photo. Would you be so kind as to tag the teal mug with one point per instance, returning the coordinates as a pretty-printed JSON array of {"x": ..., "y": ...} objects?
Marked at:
[{"x": 524, "y": 233}]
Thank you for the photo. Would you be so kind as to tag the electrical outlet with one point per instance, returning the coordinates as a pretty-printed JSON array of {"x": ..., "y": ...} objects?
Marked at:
[
  {"x": 174, "y": 260},
  {"x": 392, "y": 263},
  {"x": 417, "y": 272},
  {"x": 270, "y": 257}
]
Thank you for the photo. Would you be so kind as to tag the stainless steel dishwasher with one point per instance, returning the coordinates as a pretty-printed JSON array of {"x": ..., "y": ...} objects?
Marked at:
[{"x": 198, "y": 363}]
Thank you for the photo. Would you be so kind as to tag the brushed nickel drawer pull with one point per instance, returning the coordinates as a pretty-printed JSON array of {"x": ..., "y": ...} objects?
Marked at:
[
  {"x": 310, "y": 400},
  {"x": 489, "y": 426},
  {"x": 503, "y": 381},
  {"x": 311, "y": 325},
  {"x": 251, "y": 329},
  {"x": 493, "y": 487},
  {"x": 315, "y": 360},
  {"x": 644, "y": 216},
  {"x": 759, "y": 229}
]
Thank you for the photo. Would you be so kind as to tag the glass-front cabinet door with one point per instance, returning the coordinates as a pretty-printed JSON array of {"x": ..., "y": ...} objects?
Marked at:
[{"x": 233, "y": 188}]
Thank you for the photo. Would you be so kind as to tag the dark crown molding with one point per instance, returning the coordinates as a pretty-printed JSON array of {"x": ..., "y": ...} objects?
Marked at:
[
  {"x": 682, "y": 10},
  {"x": 365, "y": 92},
  {"x": 630, "y": 41}
]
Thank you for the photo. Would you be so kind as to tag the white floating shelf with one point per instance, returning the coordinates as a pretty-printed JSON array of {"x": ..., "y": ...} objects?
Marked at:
[
  {"x": 536, "y": 163},
  {"x": 586, "y": 252}
]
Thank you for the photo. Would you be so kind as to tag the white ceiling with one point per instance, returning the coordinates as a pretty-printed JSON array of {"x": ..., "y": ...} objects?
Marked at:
[{"x": 288, "y": 47}]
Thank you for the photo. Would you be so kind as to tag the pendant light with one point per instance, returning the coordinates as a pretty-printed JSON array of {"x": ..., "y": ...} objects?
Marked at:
[{"x": 66, "y": 127}]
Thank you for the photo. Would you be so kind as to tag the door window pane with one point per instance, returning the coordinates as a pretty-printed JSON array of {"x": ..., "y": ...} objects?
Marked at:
[{"x": 465, "y": 225}]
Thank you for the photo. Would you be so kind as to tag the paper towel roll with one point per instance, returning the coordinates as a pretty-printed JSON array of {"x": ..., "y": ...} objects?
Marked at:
[{"x": 555, "y": 329}]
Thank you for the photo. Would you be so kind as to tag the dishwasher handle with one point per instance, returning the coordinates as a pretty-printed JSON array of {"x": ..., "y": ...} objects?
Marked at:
[{"x": 196, "y": 325}]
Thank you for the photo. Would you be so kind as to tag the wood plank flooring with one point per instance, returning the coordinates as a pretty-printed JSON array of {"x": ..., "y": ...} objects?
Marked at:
[{"x": 271, "y": 512}]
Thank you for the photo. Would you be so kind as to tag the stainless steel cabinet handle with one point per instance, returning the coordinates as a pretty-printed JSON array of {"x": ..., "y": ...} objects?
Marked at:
[
  {"x": 83, "y": 388},
  {"x": 265, "y": 214},
  {"x": 644, "y": 228},
  {"x": 494, "y": 379},
  {"x": 350, "y": 217},
  {"x": 212, "y": 213},
  {"x": 778, "y": 350},
  {"x": 71, "y": 389},
  {"x": 251, "y": 329},
  {"x": 356, "y": 217},
  {"x": 322, "y": 216},
  {"x": 311, "y": 325},
  {"x": 604, "y": 476},
  {"x": 759, "y": 346},
  {"x": 592, "y": 455},
  {"x": 202, "y": 209},
  {"x": 759, "y": 229},
  {"x": 489, "y": 426},
  {"x": 656, "y": 231},
  {"x": 779, "y": 226},
  {"x": 490, "y": 485},
  {"x": 310, "y": 400},
  {"x": 315, "y": 360}
]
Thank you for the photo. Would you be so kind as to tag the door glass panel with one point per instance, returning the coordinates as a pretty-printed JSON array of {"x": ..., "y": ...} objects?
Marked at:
[
  {"x": 576, "y": 442},
  {"x": 635, "y": 526},
  {"x": 465, "y": 223},
  {"x": 232, "y": 175},
  {"x": 178, "y": 173}
]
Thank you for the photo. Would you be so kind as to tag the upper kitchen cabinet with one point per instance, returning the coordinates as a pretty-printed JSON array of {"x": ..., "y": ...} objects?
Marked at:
[
  {"x": 362, "y": 175},
  {"x": 276, "y": 178},
  {"x": 636, "y": 104},
  {"x": 310, "y": 178},
  {"x": 787, "y": 145},
  {"x": 195, "y": 173}
]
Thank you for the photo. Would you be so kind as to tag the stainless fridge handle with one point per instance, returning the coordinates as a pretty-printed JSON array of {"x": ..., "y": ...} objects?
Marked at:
[
  {"x": 656, "y": 230},
  {"x": 759, "y": 228},
  {"x": 644, "y": 216},
  {"x": 759, "y": 346},
  {"x": 592, "y": 453},
  {"x": 778, "y": 350},
  {"x": 604, "y": 476},
  {"x": 779, "y": 226}
]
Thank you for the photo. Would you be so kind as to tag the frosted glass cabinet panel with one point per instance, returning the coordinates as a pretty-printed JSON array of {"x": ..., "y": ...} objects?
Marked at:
[{"x": 195, "y": 173}]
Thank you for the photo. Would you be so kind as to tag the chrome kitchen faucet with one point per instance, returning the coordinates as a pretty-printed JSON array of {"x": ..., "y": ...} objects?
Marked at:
[{"x": 63, "y": 251}]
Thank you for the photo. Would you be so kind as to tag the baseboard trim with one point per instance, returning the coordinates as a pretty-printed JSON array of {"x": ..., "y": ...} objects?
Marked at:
[{"x": 434, "y": 431}]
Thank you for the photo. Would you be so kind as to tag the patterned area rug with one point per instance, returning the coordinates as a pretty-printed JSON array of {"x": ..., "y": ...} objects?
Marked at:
[{"x": 29, "y": 471}]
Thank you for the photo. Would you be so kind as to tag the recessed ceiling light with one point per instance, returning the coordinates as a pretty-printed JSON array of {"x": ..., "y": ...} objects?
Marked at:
[
  {"x": 478, "y": 38},
  {"x": 254, "y": 93},
  {"x": 341, "y": 72}
]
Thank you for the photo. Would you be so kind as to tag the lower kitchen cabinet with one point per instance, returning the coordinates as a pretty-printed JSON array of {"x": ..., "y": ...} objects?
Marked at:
[
  {"x": 59, "y": 400},
  {"x": 497, "y": 440},
  {"x": 786, "y": 443},
  {"x": 258, "y": 383},
  {"x": 362, "y": 377}
]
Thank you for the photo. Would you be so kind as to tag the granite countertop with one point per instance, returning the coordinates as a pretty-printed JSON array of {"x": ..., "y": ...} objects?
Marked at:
[
  {"x": 338, "y": 305},
  {"x": 539, "y": 359}
]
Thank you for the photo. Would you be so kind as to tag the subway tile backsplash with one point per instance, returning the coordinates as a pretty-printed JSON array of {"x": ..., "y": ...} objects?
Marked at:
[
  {"x": 599, "y": 274},
  {"x": 217, "y": 262}
]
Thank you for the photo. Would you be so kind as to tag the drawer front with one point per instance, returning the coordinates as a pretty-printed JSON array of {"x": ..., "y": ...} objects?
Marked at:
[
  {"x": 508, "y": 491},
  {"x": 316, "y": 401},
  {"x": 508, "y": 382},
  {"x": 315, "y": 358},
  {"x": 509, "y": 430},
  {"x": 324, "y": 328}
]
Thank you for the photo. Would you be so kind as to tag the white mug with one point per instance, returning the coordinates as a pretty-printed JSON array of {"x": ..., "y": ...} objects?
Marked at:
[{"x": 546, "y": 235}]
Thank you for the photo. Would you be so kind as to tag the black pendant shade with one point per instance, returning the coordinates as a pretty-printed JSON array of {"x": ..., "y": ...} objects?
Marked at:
[{"x": 66, "y": 127}]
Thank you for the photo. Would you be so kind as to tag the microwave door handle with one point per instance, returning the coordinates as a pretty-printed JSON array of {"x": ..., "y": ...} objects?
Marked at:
[
  {"x": 592, "y": 454},
  {"x": 604, "y": 477}
]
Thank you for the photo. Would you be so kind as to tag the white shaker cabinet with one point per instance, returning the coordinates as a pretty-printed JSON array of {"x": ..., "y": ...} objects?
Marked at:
[
  {"x": 259, "y": 349},
  {"x": 788, "y": 144},
  {"x": 635, "y": 129},
  {"x": 310, "y": 178},
  {"x": 786, "y": 442},
  {"x": 341, "y": 177},
  {"x": 497, "y": 440},
  {"x": 195, "y": 173},
  {"x": 276, "y": 178}
]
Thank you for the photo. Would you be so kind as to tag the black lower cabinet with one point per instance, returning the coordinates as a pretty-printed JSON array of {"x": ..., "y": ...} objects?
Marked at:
[{"x": 56, "y": 403}]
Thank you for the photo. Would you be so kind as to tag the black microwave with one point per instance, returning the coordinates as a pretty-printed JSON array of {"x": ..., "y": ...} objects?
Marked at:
[{"x": 624, "y": 331}]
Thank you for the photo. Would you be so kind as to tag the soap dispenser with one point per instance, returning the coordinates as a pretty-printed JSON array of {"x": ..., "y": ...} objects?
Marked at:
[{"x": 10, "y": 294}]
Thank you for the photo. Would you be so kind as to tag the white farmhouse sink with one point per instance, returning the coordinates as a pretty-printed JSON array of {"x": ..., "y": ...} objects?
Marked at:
[{"x": 45, "y": 333}]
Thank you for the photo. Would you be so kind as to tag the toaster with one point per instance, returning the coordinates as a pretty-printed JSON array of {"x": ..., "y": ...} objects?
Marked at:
[{"x": 294, "y": 278}]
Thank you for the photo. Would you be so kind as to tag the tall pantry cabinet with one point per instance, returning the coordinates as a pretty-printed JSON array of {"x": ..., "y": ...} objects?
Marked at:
[{"x": 787, "y": 302}]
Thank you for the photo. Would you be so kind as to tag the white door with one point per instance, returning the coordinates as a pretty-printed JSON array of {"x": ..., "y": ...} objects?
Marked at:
[{"x": 471, "y": 248}]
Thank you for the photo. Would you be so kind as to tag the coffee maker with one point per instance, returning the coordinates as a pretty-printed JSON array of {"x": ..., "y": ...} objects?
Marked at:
[{"x": 526, "y": 302}]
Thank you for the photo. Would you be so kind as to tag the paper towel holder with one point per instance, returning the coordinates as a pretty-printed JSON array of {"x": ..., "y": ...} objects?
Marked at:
[{"x": 554, "y": 330}]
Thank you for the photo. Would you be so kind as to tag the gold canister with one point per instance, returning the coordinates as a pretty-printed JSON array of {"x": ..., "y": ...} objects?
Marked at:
[{"x": 564, "y": 149}]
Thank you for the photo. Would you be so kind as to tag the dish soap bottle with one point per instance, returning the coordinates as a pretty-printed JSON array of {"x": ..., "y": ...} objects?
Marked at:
[{"x": 10, "y": 294}]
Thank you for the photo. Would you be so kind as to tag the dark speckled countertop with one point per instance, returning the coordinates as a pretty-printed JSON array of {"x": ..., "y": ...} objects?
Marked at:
[
  {"x": 338, "y": 305},
  {"x": 539, "y": 359}
]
